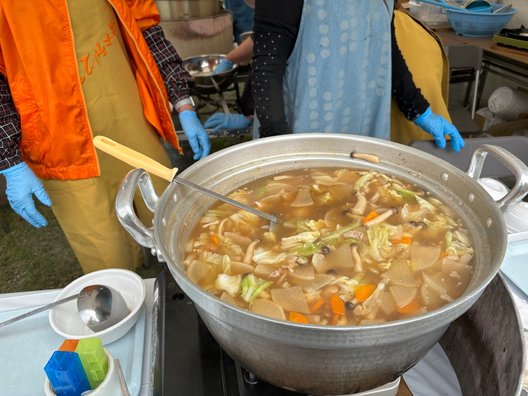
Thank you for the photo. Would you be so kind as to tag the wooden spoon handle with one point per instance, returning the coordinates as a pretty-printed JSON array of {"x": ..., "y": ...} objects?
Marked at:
[
  {"x": 133, "y": 158},
  {"x": 138, "y": 160}
]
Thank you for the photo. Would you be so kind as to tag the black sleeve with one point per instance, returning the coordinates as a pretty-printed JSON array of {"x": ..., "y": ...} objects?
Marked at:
[
  {"x": 245, "y": 104},
  {"x": 275, "y": 30},
  {"x": 408, "y": 96}
]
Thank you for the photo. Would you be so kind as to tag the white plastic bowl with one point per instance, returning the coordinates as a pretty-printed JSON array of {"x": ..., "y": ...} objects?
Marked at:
[
  {"x": 517, "y": 218},
  {"x": 66, "y": 321}
]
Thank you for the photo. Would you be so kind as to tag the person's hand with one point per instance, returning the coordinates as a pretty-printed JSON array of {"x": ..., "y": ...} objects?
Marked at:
[
  {"x": 21, "y": 185},
  {"x": 223, "y": 66},
  {"x": 438, "y": 127},
  {"x": 196, "y": 133},
  {"x": 220, "y": 121}
]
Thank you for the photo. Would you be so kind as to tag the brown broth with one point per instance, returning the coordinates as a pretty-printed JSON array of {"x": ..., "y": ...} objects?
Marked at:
[{"x": 353, "y": 247}]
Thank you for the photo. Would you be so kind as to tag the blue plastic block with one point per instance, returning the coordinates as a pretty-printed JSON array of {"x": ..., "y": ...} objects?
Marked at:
[{"x": 66, "y": 374}]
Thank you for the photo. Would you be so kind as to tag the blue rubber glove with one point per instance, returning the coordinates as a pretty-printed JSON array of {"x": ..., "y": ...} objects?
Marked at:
[
  {"x": 223, "y": 66},
  {"x": 220, "y": 121},
  {"x": 196, "y": 134},
  {"x": 21, "y": 185},
  {"x": 438, "y": 127}
]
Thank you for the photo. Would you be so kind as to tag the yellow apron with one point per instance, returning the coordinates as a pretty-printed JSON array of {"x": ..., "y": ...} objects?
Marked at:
[
  {"x": 427, "y": 61},
  {"x": 85, "y": 208}
]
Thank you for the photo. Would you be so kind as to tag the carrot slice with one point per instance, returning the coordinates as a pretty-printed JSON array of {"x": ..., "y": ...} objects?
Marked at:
[
  {"x": 317, "y": 304},
  {"x": 364, "y": 291},
  {"x": 335, "y": 319},
  {"x": 215, "y": 239},
  {"x": 337, "y": 304},
  {"x": 409, "y": 308},
  {"x": 370, "y": 216},
  {"x": 405, "y": 240},
  {"x": 297, "y": 317}
]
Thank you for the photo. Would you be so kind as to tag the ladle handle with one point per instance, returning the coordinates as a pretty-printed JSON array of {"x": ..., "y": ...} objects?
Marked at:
[
  {"x": 133, "y": 158},
  {"x": 441, "y": 4},
  {"x": 36, "y": 311},
  {"x": 225, "y": 199}
]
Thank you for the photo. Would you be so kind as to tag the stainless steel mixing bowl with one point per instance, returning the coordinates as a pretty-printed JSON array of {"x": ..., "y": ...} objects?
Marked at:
[{"x": 201, "y": 68}]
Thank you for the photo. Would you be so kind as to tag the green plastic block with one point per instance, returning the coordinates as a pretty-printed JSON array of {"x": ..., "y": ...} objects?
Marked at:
[{"x": 93, "y": 359}]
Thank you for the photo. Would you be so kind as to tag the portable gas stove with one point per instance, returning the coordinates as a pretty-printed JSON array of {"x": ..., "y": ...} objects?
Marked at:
[{"x": 517, "y": 38}]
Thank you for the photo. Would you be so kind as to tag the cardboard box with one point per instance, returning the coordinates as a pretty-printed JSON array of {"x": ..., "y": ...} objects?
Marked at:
[
  {"x": 507, "y": 128},
  {"x": 480, "y": 121}
]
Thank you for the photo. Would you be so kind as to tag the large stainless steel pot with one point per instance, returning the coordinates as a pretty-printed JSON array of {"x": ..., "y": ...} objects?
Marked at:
[{"x": 308, "y": 358}]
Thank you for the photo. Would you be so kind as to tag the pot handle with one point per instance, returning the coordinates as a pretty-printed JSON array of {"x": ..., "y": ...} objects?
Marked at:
[
  {"x": 518, "y": 168},
  {"x": 125, "y": 205}
]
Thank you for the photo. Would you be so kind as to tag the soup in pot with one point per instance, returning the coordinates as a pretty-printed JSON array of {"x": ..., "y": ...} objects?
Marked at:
[{"x": 353, "y": 247}]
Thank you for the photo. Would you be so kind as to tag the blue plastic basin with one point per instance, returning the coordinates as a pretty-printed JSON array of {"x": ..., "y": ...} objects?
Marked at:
[{"x": 477, "y": 24}]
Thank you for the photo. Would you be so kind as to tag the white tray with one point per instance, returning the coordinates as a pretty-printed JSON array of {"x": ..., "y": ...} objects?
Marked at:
[{"x": 26, "y": 346}]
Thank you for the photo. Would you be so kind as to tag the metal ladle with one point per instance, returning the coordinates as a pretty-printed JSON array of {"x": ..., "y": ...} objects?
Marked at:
[
  {"x": 139, "y": 160},
  {"x": 502, "y": 9},
  {"x": 100, "y": 307}
]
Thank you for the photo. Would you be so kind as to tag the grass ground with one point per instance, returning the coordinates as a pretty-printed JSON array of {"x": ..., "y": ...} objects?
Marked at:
[
  {"x": 31, "y": 258},
  {"x": 39, "y": 259}
]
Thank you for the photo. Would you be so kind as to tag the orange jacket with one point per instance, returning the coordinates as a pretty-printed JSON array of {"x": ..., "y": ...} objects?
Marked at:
[{"x": 37, "y": 56}]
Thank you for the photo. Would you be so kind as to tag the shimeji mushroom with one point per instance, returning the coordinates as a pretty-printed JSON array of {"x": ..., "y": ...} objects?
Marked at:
[{"x": 382, "y": 217}]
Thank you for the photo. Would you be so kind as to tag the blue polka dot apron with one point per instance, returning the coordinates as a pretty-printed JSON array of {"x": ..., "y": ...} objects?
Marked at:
[{"x": 338, "y": 77}]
